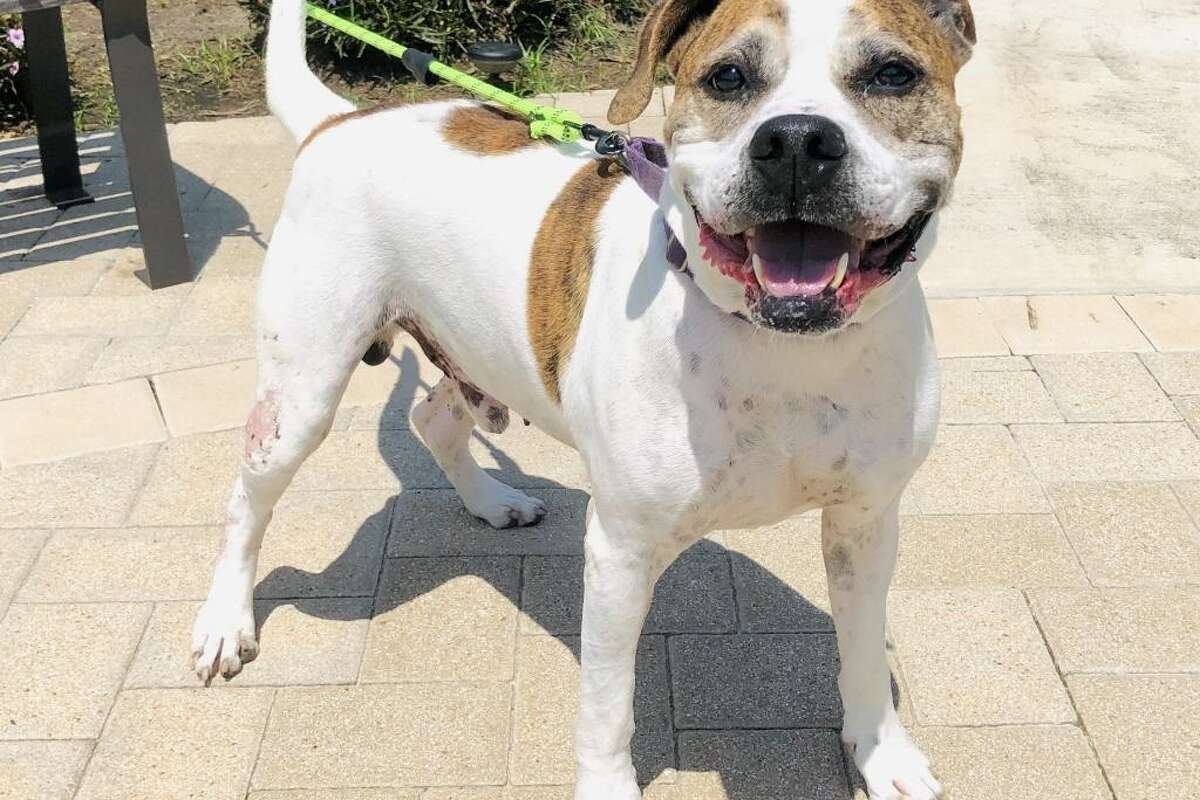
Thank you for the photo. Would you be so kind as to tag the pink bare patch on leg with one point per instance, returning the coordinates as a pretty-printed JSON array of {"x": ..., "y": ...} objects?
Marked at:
[{"x": 262, "y": 427}]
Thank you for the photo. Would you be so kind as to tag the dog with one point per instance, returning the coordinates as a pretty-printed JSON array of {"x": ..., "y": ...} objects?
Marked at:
[{"x": 788, "y": 366}]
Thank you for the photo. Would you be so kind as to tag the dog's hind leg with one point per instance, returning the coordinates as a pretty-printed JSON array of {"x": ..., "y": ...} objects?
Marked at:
[{"x": 444, "y": 423}]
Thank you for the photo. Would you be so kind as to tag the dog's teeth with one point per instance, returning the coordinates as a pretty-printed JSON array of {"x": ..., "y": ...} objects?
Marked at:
[
  {"x": 842, "y": 267},
  {"x": 758, "y": 273}
]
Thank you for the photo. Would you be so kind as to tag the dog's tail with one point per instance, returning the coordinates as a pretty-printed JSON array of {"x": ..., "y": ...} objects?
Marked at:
[{"x": 295, "y": 95}]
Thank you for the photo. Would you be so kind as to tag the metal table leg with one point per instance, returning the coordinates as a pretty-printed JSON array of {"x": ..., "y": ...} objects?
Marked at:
[
  {"x": 151, "y": 174},
  {"x": 51, "y": 91}
]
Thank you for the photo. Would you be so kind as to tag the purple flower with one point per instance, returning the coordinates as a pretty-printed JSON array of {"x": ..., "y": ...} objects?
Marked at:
[
  {"x": 16, "y": 37},
  {"x": 13, "y": 68}
]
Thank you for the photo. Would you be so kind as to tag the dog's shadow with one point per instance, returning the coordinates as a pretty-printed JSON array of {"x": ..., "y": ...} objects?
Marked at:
[{"x": 737, "y": 671}]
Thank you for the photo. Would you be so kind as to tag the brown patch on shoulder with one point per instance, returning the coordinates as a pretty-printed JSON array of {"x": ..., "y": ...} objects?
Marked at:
[
  {"x": 560, "y": 268},
  {"x": 338, "y": 119},
  {"x": 486, "y": 131}
]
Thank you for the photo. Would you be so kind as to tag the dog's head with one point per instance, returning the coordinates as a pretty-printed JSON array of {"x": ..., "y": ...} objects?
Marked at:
[{"x": 809, "y": 142}]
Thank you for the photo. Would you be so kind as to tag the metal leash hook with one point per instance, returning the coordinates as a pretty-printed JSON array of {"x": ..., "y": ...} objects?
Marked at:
[{"x": 608, "y": 143}]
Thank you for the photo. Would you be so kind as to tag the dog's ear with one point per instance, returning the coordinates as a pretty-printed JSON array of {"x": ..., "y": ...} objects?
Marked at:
[
  {"x": 666, "y": 23},
  {"x": 955, "y": 19}
]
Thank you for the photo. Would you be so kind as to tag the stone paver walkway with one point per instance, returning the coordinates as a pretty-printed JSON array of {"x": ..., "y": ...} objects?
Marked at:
[{"x": 1045, "y": 620}]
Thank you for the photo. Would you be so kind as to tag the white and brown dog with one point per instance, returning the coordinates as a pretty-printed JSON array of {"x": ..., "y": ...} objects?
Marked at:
[{"x": 810, "y": 142}]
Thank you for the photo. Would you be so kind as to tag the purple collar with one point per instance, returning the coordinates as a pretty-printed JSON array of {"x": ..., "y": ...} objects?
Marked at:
[{"x": 646, "y": 161}]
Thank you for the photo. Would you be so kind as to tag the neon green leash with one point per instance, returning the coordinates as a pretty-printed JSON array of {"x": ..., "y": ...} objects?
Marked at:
[{"x": 560, "y": 124}]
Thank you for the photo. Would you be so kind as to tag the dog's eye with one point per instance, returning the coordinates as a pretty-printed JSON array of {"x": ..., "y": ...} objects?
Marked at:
[
  {"x": 894, "y": 75},
  {"x": 727, "y": 78}
]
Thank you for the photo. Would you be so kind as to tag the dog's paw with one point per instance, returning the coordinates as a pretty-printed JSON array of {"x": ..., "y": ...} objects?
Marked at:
[
  {"x": 607, "y": 787},
  {"x": 893, "y": 767},
  {"x": 502, "y": 506},
  {"x": 222, "y": 641}
]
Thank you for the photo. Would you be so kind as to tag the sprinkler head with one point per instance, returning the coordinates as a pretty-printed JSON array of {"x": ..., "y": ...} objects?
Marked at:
[{"x": 494, "y": 57}]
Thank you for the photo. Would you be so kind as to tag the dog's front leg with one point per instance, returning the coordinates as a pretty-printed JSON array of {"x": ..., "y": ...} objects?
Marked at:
[
  {"x": 621, "y": 568},
  {"x": 860, "y": 556}
]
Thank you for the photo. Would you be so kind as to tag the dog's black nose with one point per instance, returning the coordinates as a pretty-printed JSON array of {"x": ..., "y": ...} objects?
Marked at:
[{"x": 799, "y": 152}]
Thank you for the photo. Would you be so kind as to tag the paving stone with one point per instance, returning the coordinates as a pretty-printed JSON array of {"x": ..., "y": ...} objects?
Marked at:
[
  {"x": 986, "y": 364},
  {"x": 1121, "y": 630},
  {"x": 94, "y": 490},
  {"x": 434, "y": 522},
  {"x": 648, "y": 126},
  {"x": 526, "y": 457},
  {"x": 1064, "y": 324},
  {"x": 547, "y": 703},
  {"x": 1177, "y": 373},
  {"x": 135, "y": 564},
  {"x": 98, "y": 316},
  {"x": 595, "y": 103},
  {"x": 961, "y": 327},
  {"x": 64, "y": 665},
  {"x": 142, "y": 356},
  {"x": 779, "y": 576},
  {"x": 1170, "y": 321},
  {"x": 49, "y": 427},
  {"x": 190, "y": 482},
  {"x": 763, "y": 765},
  {"x": 1129, "y": 533},
  {"x": 151, "y": 751},
  {"x": 1135, "y": 451},
  {"x": 975, "y": 657},
  {"x": 444, "y": 619},
  {"x": 383, "y": 459},
  {"x": 218, "y": 307},
  {"x": 992, "y": 550},
  {"x": 1189, "y": 494},
  {"x": 1143, "y": 729},
  {"x": 20, "y": 549},
  {"x": 23, "y": 224},
  {"x": 765, "y": 681},
  {"x": 301, "y": 642},
  {"x": 342, "y": 794},
  {"x": 105, "y": 225},
  {"x": 501, "y": 793},
  {"x": 417, "y": 734},
  {"x": 323, "y": 544},
  {"x": 1104, "y": 387},
  {"x": 1190, "y": 408},
  {"x": 1015, "y": 763},
  {"x": 41, "y": 770},
  {"x": 995, "y": 397},
  {"x": 206, "y": 399},
  {"x": 694, "y": 595},
  {"x": 976, "y": 469},
  {"x": 33, "y": 364},
  {"x": 128, "y": 275}
]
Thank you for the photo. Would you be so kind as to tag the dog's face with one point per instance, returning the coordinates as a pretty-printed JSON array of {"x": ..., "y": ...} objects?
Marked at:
[{"x": 811, "y": 139}]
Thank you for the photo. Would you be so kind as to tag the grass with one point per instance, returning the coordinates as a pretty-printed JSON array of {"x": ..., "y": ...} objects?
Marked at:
[{"x": 214, "y": 63}]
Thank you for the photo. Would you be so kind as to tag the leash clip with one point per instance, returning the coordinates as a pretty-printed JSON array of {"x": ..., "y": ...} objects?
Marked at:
[{"x": 608, "y": 143}]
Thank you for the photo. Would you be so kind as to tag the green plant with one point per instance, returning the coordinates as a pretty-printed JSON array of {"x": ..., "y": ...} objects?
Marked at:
[{"x": 214, "y": 63}]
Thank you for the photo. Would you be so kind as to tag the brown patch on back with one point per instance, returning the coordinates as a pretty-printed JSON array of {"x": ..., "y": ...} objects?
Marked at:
[
  {"x": 338, "y": 119},
  {"x": 486, "y": 131},
  {"x": 560, "y": 268}
]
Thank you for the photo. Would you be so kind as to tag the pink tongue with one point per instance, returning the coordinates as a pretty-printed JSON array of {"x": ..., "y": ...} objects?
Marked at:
[{"x": 799, "y": 258}]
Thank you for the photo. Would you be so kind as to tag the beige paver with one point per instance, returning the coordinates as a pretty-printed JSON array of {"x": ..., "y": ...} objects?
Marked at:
[
  {"x": 547, "y": 701},
  {"x": 961, "y": 327},
  {"x": 1170, "y": 321},
  {"x": 1189, "y": 495},
  {"x": 1104, "y": 387},
  {"x": 780, "y": 578},
  {"x": 416, "y": 734},
  {"x": 141, "y": 564},
  {"x": 996, "y": 550},
  {"x": 218, "y": 306},
  {"x": 444, "y": 619},
  {"x": 976, "y": 469},
  {"x": 190, "y": 482},
  {"x": 983, "y": 663},
  {"x": 125, "y": 315},
  {"x": 35, "y": 364},
  {"x": 1016, "y": 763},
  {"x": 1121, "y": 630},
  {"x": 371, "y": 459},
  {"x": 500, "y": 793},
  {"x": 1144, "y": 731},
  {"x": 75, "y": 422},
  {"x": 1064, "y": 324},
  {"x": 94, "y": 490},
  {"x": 986, "y": 364},
  {"x": 172, "y": 744},
  {"x": 1129, "y": 533},
  {"x": 206, "y": 399},
  {"x": 301, "y": 642},
  {"x": 339, "y": 794},
  {"x": 1136, "y": 451},
  {"x": 41, "y": 770},
  {"x": 322, "y": 544},
  {"x": 65, "y": 664},
  {"x": 978, "y": 397},
  {"x": 595, "y": 103},
  {"x": 648, "y": 126},
  {"x": 1177, "y": 373},
  {"x": 140, "y": 356},
  {"x": 1190, "y": 408},
  {"x": 20, "y": 551},
  {"x": 760, "y": 765}
]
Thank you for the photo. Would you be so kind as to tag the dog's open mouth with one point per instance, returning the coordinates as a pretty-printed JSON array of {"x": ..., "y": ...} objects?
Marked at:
[{"x": 798, "y": 259}]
